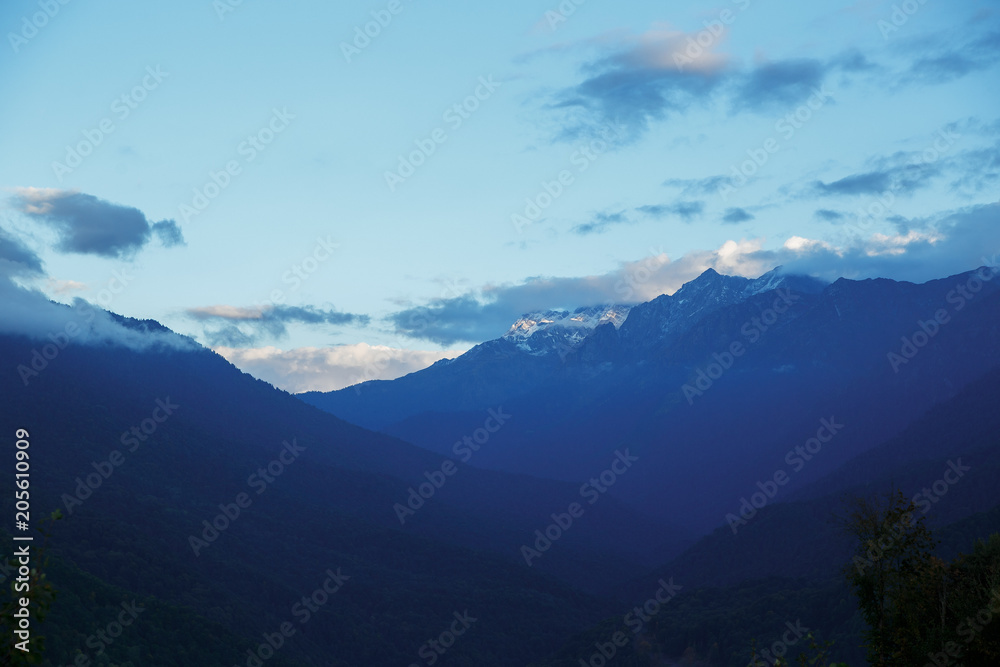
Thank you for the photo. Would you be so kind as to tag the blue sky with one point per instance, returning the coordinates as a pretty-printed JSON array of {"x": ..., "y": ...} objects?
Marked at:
[{"x": 853, "y": 139}]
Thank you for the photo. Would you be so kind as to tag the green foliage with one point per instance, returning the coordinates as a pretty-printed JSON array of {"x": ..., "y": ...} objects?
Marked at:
[{"x": 915, "y": 604}]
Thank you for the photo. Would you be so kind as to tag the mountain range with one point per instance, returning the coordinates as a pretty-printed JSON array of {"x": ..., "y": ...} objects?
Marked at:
[
  {"x": 542, "y": 483},
  {"x": 716, "y": 382}
]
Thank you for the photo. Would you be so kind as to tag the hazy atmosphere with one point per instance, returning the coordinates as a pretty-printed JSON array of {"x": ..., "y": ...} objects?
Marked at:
[{"x": 560, "y": 333}]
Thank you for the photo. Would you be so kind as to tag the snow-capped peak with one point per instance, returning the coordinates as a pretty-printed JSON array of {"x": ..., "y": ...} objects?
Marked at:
[
  {"x": 539, "y": 332},
  {"x": 580, "y": 319}
]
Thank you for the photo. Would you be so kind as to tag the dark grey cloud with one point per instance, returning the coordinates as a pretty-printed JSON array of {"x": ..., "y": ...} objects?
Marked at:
[
  {"x": 634, "y": 96},
  {"x": 168, "y": 232},
  {"x": 601, "y": 222},
  {"x": 829, "y": 215},
  {"x": 855, "y": 61},
  {"x": 685, "y": 210},
  {"x": 92, "y": 226},
  {"x": 977, "y": 170},
  {"x": 694, "y": 187},
  {"x": 640, "y": 79},
  {"x": 963, "y": 155},
  {"x": 240, "y": 327},
  {"x": 734, "y": 216},
  {"x": 780, "y": 84},
  {"x": 857, "y": 184},
  {"x": 955, "y": 58},
  {"x": 900, "y": 173},
  {"x": 15, "y": 258}
]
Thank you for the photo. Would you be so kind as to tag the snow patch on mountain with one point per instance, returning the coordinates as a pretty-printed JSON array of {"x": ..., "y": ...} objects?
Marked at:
[{"x": 541, "y": 332}]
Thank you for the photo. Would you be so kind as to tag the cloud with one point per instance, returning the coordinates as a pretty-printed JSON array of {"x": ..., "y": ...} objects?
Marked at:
[
  {"x": 330, "y": 368},
  {"x": 92, "y": 226},
  {"x": 638, "y": 79},
  {"x": 601, "y": 222},
  {"x": 903, "y": 172},
  {"x": 734, "y": 216},
  {"x": 952, "y": 57},
  {"x": 870, "y": 183},
  {"x": 234, "y": 326},
  {"x": 30, "y": 313},
  {"x": 16, "y": 259},
  {"x": 488, "y": 313},
  {"x": 779, "y": 85},
  {"x": 642, "y": 78},
  {"x": 168, "y": 232},
  {"x": 64, "y": 286},
  {"x": 829, "y": 215},
  {"x": 945, "y": 244},
  {"x": 709, "y": 185},
  {"x": 968, "y": 172},
  {"x": 685, "y": 210}
]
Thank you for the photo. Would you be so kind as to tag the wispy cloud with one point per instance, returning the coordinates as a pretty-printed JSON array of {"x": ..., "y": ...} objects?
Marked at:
[
  {"x": 685, "y": 210},
  {"x": 601, "y": 222},
  {"x": 241, "y": 327}
]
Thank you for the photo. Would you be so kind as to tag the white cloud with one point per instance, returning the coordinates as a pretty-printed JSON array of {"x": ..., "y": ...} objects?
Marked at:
[{"x": 330, "y": 368}]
